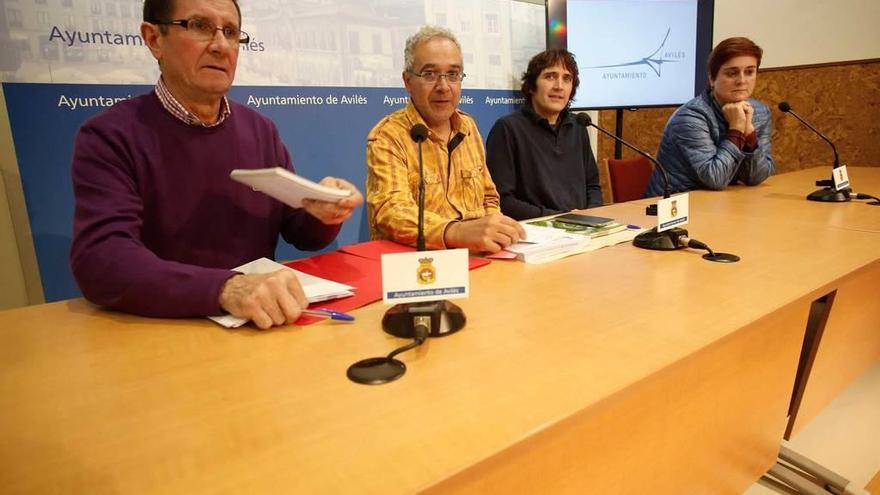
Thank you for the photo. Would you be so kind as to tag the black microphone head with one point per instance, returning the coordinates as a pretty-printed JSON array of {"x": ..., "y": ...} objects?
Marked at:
[
  {"x": 784, "y": 106},
  {"x": 418, "y": 133},
  {"x": 584, "y": 119}
]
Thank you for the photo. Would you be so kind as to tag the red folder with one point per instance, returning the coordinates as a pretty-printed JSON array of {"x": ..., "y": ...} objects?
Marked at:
[
  {"x": 358, "y": 265},
  {"x": 362, "y": 273},
  {"x": 375, "y": 249}
]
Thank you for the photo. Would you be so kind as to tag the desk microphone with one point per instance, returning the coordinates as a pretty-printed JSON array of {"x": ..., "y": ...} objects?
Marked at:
[
  {"x": 419, "y": 134},
  {"x": 829, "y": 193},
  {"x": 446, "y": 317},
  {"x": 585, "y": 120},
  {"x": 668, "y": 240},
  {"x": 416, "y": 321}
]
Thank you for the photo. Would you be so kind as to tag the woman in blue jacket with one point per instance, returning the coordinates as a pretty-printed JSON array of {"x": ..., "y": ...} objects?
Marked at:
[{"x": 722, "y": 136}]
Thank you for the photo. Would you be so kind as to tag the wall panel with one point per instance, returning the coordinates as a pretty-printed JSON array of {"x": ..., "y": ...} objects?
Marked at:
[{"x": 841, "y": 100}]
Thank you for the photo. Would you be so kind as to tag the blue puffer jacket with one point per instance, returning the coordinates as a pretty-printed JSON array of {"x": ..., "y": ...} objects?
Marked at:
[{"x": 697, "y": 154}]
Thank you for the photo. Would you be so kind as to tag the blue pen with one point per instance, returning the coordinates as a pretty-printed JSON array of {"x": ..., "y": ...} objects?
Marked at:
[{"x": 329, "y": 313}]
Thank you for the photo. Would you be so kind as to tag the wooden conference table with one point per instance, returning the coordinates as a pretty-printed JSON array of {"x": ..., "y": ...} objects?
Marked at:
[{"x": 617, "y": 371}]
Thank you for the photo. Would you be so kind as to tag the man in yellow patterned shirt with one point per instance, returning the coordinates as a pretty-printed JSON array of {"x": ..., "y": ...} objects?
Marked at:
[{"x": 461, "y": 202}]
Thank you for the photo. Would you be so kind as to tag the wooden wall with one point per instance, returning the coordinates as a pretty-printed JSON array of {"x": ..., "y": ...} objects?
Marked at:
[{"x": 842, "y": 100}]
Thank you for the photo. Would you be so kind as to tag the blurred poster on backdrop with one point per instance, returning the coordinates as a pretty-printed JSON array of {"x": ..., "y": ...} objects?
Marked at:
[{"x": 324, "y": 71}]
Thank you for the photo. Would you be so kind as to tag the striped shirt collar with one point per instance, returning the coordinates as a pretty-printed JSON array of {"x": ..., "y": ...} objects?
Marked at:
[{"x": 180, "y": 112}]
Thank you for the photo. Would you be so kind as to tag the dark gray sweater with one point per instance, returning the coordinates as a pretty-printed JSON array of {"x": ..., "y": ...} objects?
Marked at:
[{"x": 541, "y": 169}]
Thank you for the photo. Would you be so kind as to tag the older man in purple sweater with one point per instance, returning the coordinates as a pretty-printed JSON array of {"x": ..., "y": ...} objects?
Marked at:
[{"x": 158, "y": 222}]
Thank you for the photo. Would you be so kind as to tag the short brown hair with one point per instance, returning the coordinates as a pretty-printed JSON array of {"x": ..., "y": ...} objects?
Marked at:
[
  {"x": 730, "y": 48},
  {"x": 160, "y": 11},
  {"x": 549, "y": 58}
]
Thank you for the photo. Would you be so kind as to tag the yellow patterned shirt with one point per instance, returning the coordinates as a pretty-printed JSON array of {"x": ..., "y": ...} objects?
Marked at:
[{"x": 457, "y": 181}]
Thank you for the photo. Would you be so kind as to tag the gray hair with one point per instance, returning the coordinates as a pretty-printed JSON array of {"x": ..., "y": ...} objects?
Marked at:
[{"x": 423, "y": 35}]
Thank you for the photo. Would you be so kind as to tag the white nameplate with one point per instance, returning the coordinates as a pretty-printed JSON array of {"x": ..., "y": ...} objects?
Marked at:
[
  {"x": 841, "y": 178},
  {"x": 672, "y": 212},
  {"x": 425, "y": 276}
]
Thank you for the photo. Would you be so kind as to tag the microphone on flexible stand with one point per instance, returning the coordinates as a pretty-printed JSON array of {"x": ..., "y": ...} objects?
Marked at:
[
  {"x": 668, "y": 240},
  {"x": 419, "y": 134},
  {"x": 585, "y": 120},
  {"x": 416, "y": 321},
  {"x": 446, "y": 317},
  {"x": 829, "y": 193},
  {"x": 671, "y": 239}
]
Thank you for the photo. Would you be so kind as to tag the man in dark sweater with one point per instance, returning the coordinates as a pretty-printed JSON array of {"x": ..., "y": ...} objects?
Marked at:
[
  {"x": 158, "y": 222},
  {"x": 538, "y": 156}
]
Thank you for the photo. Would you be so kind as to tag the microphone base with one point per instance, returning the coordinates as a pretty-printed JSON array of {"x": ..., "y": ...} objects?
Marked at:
[
  {"x": 660, "y": 241},
  {"x": 446, "y": 318},
  {"x": 829, "y": 195},
  {"x": 376, "y": 371},
  {"x": 721, "y": 257}
]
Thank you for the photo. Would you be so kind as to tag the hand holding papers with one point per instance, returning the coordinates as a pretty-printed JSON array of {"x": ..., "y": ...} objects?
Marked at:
[
  {"x": 287, "y": 187},
  {"x": 316, "y": 289}
]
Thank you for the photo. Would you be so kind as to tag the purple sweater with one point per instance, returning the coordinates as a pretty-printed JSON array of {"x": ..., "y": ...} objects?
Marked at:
[{"x": 158, "y": 221}]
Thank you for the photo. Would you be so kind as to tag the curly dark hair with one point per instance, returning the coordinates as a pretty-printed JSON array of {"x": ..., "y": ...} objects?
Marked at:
[{"x": 543, "y": 60}]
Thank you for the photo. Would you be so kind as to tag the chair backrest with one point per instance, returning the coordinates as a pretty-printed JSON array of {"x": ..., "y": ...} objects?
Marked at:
[{"x": 629, "y": 178}]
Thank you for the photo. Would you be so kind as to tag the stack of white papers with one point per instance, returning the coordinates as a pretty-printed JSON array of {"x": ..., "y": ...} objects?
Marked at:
[
  {"x": 287, "y": 187},
  {"x": 544, "y": 244},
  {"x": 317, "y": 289},
  {"x": 535, "y": 234}
]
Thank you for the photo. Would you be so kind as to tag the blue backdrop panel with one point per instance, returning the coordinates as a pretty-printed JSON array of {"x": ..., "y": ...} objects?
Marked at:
[{"x": 324, "y": 128}]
